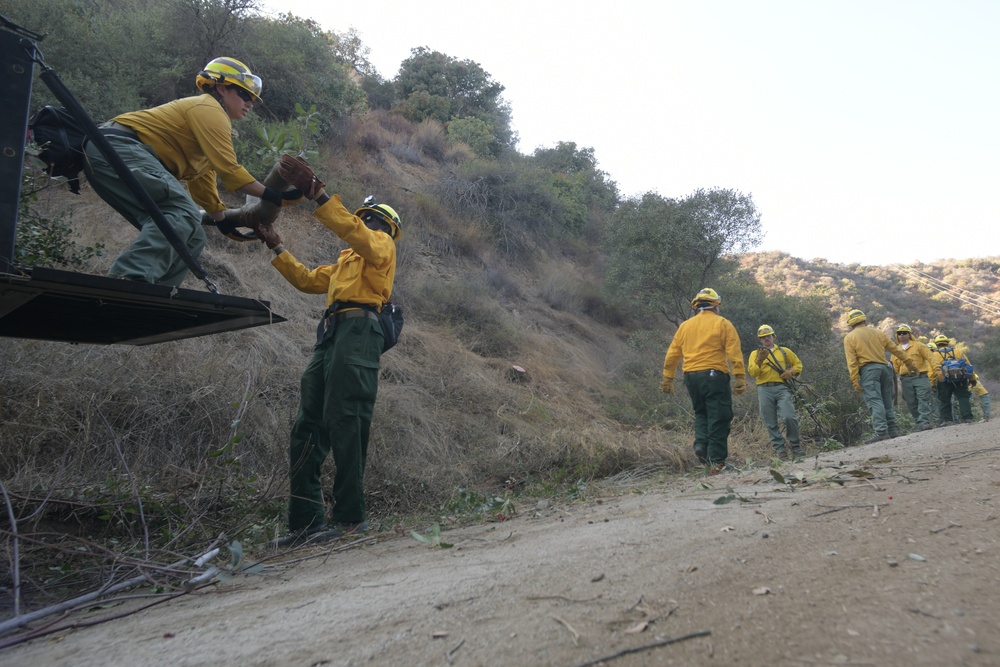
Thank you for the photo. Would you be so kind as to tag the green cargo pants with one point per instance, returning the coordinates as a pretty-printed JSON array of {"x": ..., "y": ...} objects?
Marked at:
[
  {"x": 876, "y": 385},
  {"x": 918, "y": 397},
  {"x": 712, "y": 400},
  {"x": 335, "y": 412},
  {"x": 150, "y": 258},
  {"x": 959, "y": 390},
  {"x": 777, "y": 407}
]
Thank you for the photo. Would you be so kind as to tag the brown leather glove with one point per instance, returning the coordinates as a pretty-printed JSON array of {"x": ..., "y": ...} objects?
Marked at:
[
  {"x": 761, "y": 356},
  {"x": 667, "y": 385},
  {"x": 267, "y": 234},
  {"x": 297, "y": 171},
  {"x": 788, "y": 374},
  {"x": 739, "y": 385}
]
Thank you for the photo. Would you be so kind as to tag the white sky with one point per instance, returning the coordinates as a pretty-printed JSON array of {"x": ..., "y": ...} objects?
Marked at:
[{"x": 866, "y": 130}]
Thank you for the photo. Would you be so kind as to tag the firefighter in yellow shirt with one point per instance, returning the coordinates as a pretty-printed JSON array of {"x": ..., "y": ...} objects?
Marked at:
[
  {"x": 977, "y": 389},
  {"x": 948, "y": 386},
  {"x": 773, "y": 366},
  {"x": 916, "y": 387},
  {"x": 710, "y": 347},
  {"x": 865, "y": 349},
  {"x": 189, "y": 140},
  {"x": 340, "y": 384}
]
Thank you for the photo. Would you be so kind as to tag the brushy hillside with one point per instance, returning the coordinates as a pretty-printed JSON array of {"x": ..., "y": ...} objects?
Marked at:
[{"x": 958, "y": 298}]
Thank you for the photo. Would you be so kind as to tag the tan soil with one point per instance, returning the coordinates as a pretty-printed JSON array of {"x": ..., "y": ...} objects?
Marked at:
[{"x": 900, "y": 569}]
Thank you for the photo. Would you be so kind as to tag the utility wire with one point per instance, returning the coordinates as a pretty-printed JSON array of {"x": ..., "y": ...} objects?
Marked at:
[{"x": 966, "y": 296}]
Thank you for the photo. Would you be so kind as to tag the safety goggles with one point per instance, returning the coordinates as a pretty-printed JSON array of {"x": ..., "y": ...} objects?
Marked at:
[{"x": 245, "y": 95}]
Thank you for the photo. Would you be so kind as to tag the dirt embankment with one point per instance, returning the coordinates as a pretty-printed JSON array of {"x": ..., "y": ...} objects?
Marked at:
[{"x": 899, "y": 568}]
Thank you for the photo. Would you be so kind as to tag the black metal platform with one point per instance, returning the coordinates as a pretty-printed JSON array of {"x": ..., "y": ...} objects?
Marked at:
[{"x": 77, "y": 308}]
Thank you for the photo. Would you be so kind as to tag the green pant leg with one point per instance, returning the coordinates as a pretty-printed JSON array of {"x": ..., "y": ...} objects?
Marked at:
[
  {"x": 908, "y": 388},
  {"x": 984, "y": 403},
  {"x": 719, "y": 415},
  {"x": 788, "y": 416},
  {"x": 925, "y": 400},
  {"x": 767, "y": 402},
  {"x": 871, "y": 387},
  {"x": 964, "y": 397},
  {"x": 349, "y": 402},
  {"x": 945, "y": 391},
  {"x": 309, "y": 446},
  {"x": 695, "y": 388},
  {"x": 150, "y": 258}
]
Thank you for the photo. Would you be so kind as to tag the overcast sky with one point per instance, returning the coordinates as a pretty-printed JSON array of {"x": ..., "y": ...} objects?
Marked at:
[{"x": 866, "y": 130}]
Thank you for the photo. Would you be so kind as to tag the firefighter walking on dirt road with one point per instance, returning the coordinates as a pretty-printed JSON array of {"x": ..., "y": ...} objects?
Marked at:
[
  {"x": 916, "y": 386},
  {"x": 865, "y": 348},
  {"x": 710, "y": 348},
  {"x": 773, "y": 367}
]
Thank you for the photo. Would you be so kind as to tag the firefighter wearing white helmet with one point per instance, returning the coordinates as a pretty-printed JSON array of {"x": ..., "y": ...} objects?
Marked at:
[
  {"x": 948, "y": 386},
  {"x": 340, "y": 384},
  {"x": 189, "y": 140},
  {"x": 916, "y": 387},
  {"x": 865, "y": 348},
  {"x": 773, "y": 367},
  {"x": 710, "y": 348}
]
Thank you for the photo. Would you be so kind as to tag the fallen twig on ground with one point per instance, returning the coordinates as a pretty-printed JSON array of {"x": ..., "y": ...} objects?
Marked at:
[{"x": 644, "y": 647}]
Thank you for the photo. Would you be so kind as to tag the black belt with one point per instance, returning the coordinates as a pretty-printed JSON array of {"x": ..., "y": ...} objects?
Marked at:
[
  {"x": 906, "y": 375},
  {"x": 707, "y": 370},
  {"x": 356, "y": 312},
  {"x": 764, "y": 384}
]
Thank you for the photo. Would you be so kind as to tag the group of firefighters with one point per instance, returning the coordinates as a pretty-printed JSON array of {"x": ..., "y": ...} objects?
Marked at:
[{"x": 709, "y": 346}]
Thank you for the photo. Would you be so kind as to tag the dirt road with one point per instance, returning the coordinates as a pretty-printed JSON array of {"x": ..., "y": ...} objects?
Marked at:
[{"x": 901, "y": 568}]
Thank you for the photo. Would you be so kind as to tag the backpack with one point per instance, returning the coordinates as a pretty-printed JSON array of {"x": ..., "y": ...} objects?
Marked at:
[
  {"x": 956, "y": 370},
  {"x": 60, "y": 138}
]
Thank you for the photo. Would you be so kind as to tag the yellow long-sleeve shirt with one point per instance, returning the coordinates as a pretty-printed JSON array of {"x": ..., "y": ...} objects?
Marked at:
[
  {"x": 193, "y": 138},
  {"x": 781, "y": 357},
  {"x": 706, "y": 341},
  {"x": 868, "y": 345},
  {"x": 363, "y": 274},
  {"x": 919, "y": 354}
]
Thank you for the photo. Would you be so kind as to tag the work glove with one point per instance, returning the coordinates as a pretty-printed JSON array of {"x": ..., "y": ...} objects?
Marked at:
[
  {"x": 788, "y": 374},
  {"x": 739, "y": 385},
  {"x": 268, "y": 236},
  {"x": 912, "y": 367},
  {"x": 667, "y": 385},
  {"x": 282, "y": 199},
  {"x": 297, "y": 171},
  {"x": 761, "y": 356},
  {"x": 228, "y": 229}
]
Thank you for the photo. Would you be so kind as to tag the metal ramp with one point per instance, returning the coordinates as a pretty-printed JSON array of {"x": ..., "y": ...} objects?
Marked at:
[
  {"x": 47, "y": 304},
  {"x": 79, "y": 308}
]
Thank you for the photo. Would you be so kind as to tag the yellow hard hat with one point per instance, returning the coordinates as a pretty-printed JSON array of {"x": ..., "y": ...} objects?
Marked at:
[
  {"x": 229, "y": 71},
  {"x": 765, "y": 330},
  {"x": 941, "y": 339},
  {"x": 904, "y": 328},
  {"x": 707, "y": 295},
  {"x": 384, "y": 212},
  {"x": 855, "y": 317},
  {"x": 931, "y": 345}
]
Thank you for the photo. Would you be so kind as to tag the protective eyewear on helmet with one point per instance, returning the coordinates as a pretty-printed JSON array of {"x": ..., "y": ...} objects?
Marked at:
[
  {"x": 902, "y": 333},
  {"x": 245, "y": 95}
]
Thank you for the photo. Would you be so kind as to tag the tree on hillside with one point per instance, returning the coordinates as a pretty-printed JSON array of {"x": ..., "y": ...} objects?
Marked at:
[
  {"x": 431, "y": 84},
  {"x": 662, "y": 251}
]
